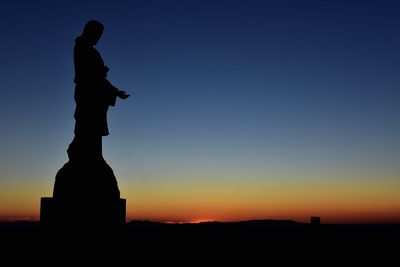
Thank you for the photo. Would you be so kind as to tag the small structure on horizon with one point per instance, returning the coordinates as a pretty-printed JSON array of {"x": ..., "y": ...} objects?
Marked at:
[{"x": 315, "y": 220}]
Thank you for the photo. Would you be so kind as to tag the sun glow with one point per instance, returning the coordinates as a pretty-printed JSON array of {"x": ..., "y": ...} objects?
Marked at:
[{"x": 201, "y": 221}]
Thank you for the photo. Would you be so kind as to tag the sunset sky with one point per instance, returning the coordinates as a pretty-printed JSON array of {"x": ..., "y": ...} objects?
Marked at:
[{"x": 239, "y": 109}]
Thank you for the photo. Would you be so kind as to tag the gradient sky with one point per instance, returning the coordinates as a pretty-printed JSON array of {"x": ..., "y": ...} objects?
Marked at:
[{"x": 239, "y": 109}]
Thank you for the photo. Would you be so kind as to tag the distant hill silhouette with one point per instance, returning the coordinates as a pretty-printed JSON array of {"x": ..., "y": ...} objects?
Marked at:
[
  {"x": 253, "y": 241},
  {"x": 258, "y": 228}
]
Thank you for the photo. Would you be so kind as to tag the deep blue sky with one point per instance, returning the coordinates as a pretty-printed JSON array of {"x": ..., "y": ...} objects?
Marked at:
[{"x": 220, "y": 89}]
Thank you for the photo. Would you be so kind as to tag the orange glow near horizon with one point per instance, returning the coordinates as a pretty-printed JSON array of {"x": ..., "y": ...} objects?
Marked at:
[
  {"x": 365, "y": 202},
  {"x": 201, "y": 220},
  {"x": 194, "y": 202}
]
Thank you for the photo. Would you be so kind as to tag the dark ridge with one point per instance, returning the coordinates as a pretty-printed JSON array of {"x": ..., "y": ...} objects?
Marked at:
[{"x": 255, "y": 238}]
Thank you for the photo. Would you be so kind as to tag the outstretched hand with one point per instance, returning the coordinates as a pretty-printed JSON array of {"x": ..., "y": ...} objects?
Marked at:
[{"x": 122, "y": 94}]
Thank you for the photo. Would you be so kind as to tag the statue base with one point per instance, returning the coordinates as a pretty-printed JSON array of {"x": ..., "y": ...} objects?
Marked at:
[
  {"x": 85, "y": 196},
  {"x": 82, "y": 213}
]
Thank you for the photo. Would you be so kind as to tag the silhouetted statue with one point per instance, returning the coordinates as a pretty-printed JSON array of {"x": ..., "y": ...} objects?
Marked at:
[
  {"x": 86, "y": 188},
  {"x": 93, "y": 95}
]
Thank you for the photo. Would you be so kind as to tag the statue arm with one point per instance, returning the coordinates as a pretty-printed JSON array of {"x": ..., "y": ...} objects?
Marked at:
[{"x": 111, "y": 92}]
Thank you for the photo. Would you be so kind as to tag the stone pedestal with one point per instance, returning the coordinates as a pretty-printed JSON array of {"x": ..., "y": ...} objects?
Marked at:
[
  {"x": 85, "y": 196},
  {"x": 82, "y": 213}
]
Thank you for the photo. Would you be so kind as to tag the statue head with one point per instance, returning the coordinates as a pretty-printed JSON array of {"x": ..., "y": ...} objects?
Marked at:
[{"x": 93, "y": 31}]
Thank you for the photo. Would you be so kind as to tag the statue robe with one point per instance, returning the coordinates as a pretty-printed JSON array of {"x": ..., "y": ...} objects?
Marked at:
[{"x": 93, "y": 92}]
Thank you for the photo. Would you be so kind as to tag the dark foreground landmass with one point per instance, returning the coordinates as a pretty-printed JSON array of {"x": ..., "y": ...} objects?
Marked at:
[{"x": 248, "y": 239}]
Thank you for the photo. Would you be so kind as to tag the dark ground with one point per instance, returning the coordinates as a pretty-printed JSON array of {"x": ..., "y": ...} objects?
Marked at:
[{"x": 252, "y": 241}]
